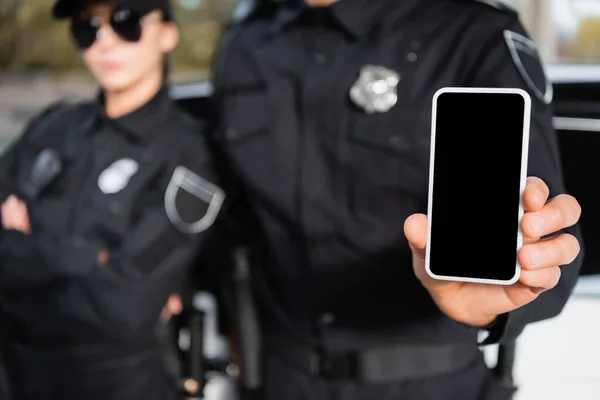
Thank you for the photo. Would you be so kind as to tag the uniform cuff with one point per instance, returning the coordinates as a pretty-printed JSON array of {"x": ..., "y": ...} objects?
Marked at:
[
  {"x": 494, "y": 332},
  {"x": 491, "y": 332}
]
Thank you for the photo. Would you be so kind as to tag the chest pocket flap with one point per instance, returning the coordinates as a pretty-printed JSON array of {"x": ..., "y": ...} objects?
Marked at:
[
  {"x": 401, "y": 131},
  {"x": 247, "y": 112}
]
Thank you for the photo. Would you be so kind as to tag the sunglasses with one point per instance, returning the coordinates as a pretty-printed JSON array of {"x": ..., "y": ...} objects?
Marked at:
[{"x": 125, "y": 23}]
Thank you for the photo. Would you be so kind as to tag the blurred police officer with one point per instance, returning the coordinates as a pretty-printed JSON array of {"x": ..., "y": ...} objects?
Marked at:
[
  {"x": 108, "y": 202},
  {"x": 324, "y": 124}
]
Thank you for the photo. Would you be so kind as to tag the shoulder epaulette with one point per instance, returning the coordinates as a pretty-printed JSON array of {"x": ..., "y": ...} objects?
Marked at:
[{"x": 52, "y": 115}]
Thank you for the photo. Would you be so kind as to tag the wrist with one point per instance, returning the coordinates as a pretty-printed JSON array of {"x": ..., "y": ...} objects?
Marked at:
[{"x": 483, "y": 322}]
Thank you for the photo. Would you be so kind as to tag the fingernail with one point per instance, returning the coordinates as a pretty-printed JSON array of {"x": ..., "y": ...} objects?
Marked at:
[
  {"x": 536, "y": 224},
  {"x": 535, "y": 257}
]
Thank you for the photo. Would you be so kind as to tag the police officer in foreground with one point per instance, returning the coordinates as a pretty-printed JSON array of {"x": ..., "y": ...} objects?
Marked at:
[
  {"x": 107, "y": 203},
  {"x": 330, "y": 189}
]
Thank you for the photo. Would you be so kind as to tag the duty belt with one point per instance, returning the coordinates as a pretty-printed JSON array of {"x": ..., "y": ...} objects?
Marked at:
[{"x": 375, "y": 365}]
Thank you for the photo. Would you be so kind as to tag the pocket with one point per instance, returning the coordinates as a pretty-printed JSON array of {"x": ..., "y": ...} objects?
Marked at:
[
  {"x": 247, "y": 114},
  {"x": 397, "y": 132},
  {"x": 391, "y": 150}
]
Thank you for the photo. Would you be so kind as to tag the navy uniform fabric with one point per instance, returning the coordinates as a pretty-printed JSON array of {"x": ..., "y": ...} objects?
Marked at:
[
  {"x": 82, "y": 327},
  {"x": 324, "y": 187},
  {"x": 337, "y": 175},
  {"x": 471, "y": 383}
]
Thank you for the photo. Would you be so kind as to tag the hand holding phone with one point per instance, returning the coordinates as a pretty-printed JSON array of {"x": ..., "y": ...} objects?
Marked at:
[
  {"x": 479, "y": 253},
  {"x": 477, "y": 135}
]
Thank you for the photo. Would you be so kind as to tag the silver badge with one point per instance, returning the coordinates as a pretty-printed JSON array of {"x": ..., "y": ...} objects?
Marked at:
[
  {"x": 376, "y": 89},
  {"x": 191, "y": 202},
  {"x": 116, "y": 177}
]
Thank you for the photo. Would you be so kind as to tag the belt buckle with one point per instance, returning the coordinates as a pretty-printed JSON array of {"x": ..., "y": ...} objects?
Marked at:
[{"x": 334, "y": 365}]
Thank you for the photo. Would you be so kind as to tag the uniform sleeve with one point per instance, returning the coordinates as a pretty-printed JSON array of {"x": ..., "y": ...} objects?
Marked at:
[
  {"x": 10, "y": 156},
  {"x": 38, "y": 258},
  {"x": 510, "y": 60},
  {"x": 14, "y": 245},
  {"x": 41, "y": 256}
]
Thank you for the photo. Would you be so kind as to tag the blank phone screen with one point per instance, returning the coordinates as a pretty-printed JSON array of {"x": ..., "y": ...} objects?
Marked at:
[{"x": 476, "y": 185}]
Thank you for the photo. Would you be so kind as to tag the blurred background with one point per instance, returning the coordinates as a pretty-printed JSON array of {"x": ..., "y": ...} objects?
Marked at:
[{"x": 38, "y": 63}]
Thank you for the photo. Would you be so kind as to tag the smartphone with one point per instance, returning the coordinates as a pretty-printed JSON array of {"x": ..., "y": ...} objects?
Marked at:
[{"x": 477, "y": 175}]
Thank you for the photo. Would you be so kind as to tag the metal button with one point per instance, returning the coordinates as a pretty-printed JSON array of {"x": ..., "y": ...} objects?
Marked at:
[
  {"x": 327, "y": 318},
  {"x": 320, "y": 58},
  {"x": 412, "y": 56}
]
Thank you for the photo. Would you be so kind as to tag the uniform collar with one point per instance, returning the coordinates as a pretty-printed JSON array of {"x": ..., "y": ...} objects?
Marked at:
[
  {"x": 355, "y": 16},
  {"x": 286, "y": 13},
  {"x": 141, "y": 123}
]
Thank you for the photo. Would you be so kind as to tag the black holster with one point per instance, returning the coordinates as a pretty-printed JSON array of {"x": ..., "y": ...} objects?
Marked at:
[
  {"x": 247, "y": 326},
  {"x": 501, "y": 385}
]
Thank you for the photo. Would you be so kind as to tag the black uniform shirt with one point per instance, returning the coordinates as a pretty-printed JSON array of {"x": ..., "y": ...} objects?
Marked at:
[
  {"x": 331, "y": 185},
  {"x": 138, "y": 187}
]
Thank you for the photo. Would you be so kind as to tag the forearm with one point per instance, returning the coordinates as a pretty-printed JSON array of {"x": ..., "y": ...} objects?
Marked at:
[{"x": 32, "y": 260}]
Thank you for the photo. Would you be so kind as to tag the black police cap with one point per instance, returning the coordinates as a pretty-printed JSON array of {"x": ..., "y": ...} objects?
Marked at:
[{"x": 67, "y": 8}]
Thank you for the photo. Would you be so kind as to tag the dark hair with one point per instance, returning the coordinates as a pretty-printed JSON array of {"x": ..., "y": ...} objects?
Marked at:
[
  {"x": 167, "y": 15},
  {"x": 82, "y": 6},
  {"x": 166, "y": 68}
]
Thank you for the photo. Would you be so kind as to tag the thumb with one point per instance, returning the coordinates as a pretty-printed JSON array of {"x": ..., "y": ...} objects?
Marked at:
[
  {"x": 11, "y": 201},
  {"x": 415, "y": 230},
  {"x": 174, "y": 305}
]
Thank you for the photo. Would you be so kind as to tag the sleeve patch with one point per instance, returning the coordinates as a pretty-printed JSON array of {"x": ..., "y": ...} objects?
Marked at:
[{"x": 525, "y": 56}]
